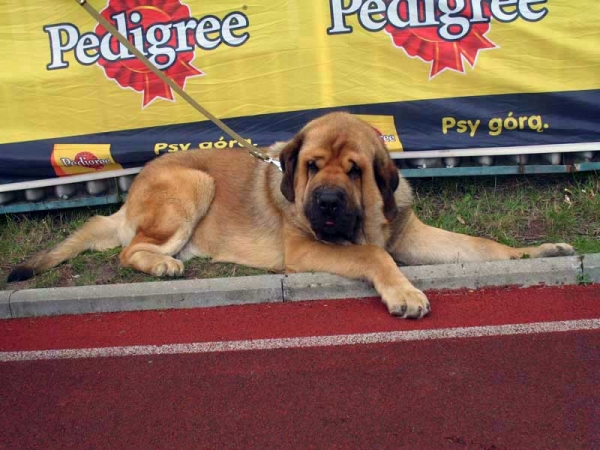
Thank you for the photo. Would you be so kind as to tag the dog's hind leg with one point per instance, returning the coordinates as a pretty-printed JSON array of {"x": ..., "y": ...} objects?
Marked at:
[
  {"x": 423, "y": 244},
  {"x": 165, "y": 213}
]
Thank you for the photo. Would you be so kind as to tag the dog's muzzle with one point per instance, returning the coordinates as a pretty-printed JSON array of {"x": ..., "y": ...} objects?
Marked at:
[{"x": 331, "y": 216}]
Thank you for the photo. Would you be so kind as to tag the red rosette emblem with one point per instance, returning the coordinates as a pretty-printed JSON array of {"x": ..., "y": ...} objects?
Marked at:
[
  {"x": 130, "y": 72},
  {"x": 426, "y": 44},
  {"x": 88, "y": 159}
]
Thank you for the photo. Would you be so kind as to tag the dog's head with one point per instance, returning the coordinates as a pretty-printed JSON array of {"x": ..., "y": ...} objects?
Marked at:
[{"x": 339, "y": 174}]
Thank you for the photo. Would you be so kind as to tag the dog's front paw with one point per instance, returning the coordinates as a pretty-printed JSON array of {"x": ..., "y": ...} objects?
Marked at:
[
  {"x": 552, "y": 250},
  {"x": 406, "y": 302}
]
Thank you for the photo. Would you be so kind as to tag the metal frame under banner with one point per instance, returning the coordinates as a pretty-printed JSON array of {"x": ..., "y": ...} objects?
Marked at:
[{"x": 109, "y": 188}]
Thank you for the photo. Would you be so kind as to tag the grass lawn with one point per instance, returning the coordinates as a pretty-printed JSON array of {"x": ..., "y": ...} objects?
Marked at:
[{"x": 514, "y": 210}]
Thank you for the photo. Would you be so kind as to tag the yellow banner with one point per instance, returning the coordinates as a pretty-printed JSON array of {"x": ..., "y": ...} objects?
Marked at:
[{"x": 65, "y": 77}]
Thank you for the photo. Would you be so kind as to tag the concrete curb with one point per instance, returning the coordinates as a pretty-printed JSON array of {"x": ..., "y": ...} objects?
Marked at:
[
  {"x": 591, "y": 268},
  {"x": 524, "y": 272},
  {"x": 5, "y": 304},
  {"x": 280, "y": 288},
  {"x": 146, "y": 296},
  {"x": 323, "y": 286}
]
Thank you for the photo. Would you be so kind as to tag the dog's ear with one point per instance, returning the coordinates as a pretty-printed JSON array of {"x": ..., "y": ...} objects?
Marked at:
[
  {"x": 288, "y": 159},
  {"x": 386, "y": 175}
]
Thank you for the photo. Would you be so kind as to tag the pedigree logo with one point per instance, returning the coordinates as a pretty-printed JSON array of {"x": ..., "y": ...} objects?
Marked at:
[
  {"x": 76, "y": 159},
  {"x": 86, "y": 159},
  {"x": 163, "y": 30},
  {"x": 443, "y": 33}
]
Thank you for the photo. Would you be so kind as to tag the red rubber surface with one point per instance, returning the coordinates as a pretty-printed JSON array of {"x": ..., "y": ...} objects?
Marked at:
[{"x": 505, "y": 392}]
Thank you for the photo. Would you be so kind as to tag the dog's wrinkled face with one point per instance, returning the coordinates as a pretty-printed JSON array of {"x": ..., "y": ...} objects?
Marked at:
[
  {"x": 332, "y": 204},
  {"x": 333, "y": 169}
]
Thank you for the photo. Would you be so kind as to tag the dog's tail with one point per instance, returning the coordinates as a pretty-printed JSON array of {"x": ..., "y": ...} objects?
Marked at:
[{"x": 98, "y": 233}]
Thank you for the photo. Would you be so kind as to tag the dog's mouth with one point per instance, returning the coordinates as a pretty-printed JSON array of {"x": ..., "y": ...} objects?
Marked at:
[
  {"x": 331, "y": 217},
  {"x": 336, "y": 231}
]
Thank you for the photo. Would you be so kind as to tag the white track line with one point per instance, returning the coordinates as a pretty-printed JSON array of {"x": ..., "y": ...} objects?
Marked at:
[{"x": 304, "y": 342}]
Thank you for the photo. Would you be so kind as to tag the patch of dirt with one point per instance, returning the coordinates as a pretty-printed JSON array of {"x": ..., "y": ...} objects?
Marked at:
[
  {"x": 66, "y": 276},
  {"x": 536, "y": 230},
  {"x": 106, "y": 274}
]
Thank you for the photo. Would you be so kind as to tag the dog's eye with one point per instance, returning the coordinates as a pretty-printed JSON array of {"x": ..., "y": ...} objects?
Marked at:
[
  {"x": 354, "y": 171},
  {"x": 312, "y": 167}
]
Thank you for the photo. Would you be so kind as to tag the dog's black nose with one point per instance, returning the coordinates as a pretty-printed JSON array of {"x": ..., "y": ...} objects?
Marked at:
[{"x": 329, "y": 200}]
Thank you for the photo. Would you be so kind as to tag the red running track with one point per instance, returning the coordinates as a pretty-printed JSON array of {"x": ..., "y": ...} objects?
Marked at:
[{"x": 536, "y": 389}]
